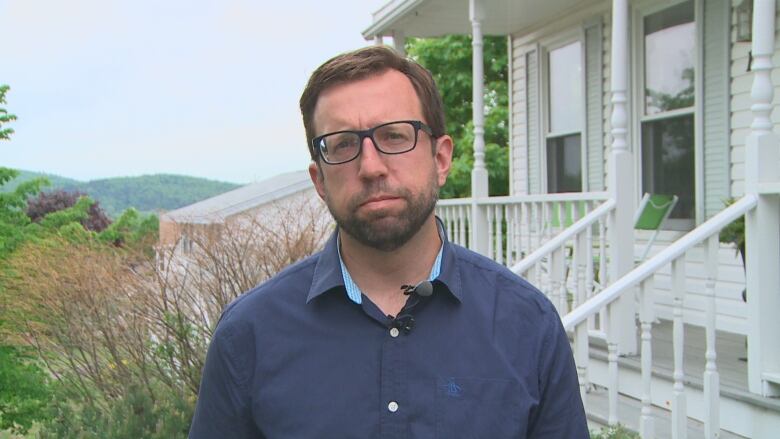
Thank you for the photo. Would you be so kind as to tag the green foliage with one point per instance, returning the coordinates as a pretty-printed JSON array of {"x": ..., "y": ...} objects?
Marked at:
[
  {"x": 13, "y": 220},
  {"x": 131, "y": 228},
  {"x": 56, "y": 181},
  {"x": 614, "y": 432},
  {"x": 135, "y": 415},
  {"x": 734, "y": 233},
  {"x": 148, "y": 193},
  {"x": 449, "y": 60},
  {"x": 5, "y": 116},
  {"x": 24, "y": 389}
]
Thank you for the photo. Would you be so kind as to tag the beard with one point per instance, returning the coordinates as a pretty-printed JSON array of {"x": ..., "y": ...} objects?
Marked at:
[{"x": 382, "y": 230}]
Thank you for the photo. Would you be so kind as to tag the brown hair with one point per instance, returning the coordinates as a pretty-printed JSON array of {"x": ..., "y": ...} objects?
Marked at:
[{"x": 362, "y": 63}]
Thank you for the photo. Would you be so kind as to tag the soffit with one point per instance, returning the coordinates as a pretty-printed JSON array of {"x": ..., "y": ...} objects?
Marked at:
[{"x": 433, "y": 18}]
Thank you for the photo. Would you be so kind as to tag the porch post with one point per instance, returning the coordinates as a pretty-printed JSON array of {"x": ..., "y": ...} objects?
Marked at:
[
  {"x": 762, "y": 224},
  {"x": 378, "y": 41},
  {"x": 399, "y": 41},
  {"x": 479, "y": 175},
  {"x": 621, "y": 184}
]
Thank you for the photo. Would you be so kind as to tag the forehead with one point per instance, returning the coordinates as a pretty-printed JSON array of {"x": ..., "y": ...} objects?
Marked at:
[{"x": 361, "y": 104}]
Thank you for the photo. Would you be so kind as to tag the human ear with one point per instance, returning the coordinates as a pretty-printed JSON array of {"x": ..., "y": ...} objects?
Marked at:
[{"x": 315, "y": 172}]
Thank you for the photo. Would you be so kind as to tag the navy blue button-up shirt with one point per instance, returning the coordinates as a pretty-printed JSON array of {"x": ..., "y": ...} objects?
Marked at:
[{"x": 296, "y": 358}]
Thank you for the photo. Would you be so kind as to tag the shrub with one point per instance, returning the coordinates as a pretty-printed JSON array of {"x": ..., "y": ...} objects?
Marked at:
[
  {"x": 24, "y": 389},
  {"x": 614, "y": 432},
  {"x": 55, "y": 201},
  {"x": 125, "y": 331}
]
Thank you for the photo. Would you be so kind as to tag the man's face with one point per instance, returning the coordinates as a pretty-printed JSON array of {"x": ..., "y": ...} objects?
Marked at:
[{"x": 378, "y": 199}]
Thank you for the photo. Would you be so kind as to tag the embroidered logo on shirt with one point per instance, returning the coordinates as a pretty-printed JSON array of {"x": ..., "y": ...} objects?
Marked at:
[{"x": 452, "y": 389}]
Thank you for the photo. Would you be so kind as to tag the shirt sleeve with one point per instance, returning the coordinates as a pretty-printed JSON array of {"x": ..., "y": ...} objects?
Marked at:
[
  {"x": 560, "y": 412},
  {"x": 223, "y": 408}
]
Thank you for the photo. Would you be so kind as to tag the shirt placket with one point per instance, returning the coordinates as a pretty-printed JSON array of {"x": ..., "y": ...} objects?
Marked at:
[{"x": 394, "y": 406}]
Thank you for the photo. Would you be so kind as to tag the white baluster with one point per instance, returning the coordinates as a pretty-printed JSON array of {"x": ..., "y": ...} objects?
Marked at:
[
  {"x": 646, "y": 317},
  {"x": 582, "y": 357},
  {"x": 539, "y": 220},
  {"x": 490, "y": 232},
  {"x": 516, "y": 233},
  {"x": 559, "y": 280},
  {"x": 499, "y": 214},
  {"x": 679, "y": 408},
  {"x": 711, "y": 376},
  {"x": 582, "y": 254},
  {"x": 603, "y": 272},
  {"x": 462, "y": 226},
  {"x": 612, "y": 367},
  {"x": 588, "y": 262},
  {"x": 510, "y": 233}
]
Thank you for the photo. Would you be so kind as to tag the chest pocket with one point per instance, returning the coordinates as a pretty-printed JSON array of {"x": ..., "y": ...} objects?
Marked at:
[{"x": 480, "y": 408}]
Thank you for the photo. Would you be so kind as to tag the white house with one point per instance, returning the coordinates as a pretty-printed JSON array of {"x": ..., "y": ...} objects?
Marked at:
[
  {"x": 268, "y": 202},
  {"x": 611, "y": 99}
]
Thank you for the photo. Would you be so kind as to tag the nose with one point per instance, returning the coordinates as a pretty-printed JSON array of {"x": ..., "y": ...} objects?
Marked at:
[{"x": 371, "y": 161}]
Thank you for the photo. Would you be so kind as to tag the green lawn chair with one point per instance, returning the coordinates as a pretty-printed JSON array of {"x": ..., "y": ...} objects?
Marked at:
[{"x": 653, "y": 211}]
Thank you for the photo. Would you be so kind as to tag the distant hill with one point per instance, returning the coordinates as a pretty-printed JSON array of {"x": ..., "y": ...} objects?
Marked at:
[{"x": 147, "y": 193}]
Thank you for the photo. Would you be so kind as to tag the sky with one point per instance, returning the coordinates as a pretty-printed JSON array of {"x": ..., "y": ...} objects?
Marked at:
[{"x": 108, "y": 88}]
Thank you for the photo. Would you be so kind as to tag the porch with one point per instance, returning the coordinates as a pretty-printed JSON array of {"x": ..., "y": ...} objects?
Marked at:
[{"x": 657, "y": 344}]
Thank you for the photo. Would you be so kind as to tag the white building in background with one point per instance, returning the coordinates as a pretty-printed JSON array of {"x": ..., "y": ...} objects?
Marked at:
[
  {"x": 611, "y": 99},
  {"x": 267, "y": 202}
]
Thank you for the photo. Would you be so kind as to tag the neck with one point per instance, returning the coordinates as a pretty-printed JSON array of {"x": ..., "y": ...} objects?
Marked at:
[{"x": 380, "y": 274}]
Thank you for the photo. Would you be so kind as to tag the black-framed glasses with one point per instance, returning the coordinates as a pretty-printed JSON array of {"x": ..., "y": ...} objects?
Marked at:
[{"x": 389, "y": 138}]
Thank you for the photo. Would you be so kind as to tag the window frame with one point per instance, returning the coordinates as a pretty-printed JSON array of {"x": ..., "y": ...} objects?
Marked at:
[
  {"x": 637, "y": 105},
  {"x": 547, "y": 45}
]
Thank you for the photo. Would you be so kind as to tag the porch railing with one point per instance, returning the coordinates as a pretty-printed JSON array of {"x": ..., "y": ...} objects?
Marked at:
[
  {"x": 577, "y": 320},
  {"x": 516, "y": 225}
]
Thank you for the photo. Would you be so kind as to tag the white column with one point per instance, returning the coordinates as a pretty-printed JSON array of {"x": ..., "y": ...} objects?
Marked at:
[
  {"x": 479, "y": 175},
  {"x": 762, "y": 224},
  {"x": 399, "y": 40},
  {"x": 378, "y": 41},
  {"x": 621, "y": 182}
]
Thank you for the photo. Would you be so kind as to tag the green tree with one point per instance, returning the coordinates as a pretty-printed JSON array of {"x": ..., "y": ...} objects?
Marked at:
[
  {"x": 449, "y": 60},
  {"x": 5, "y": 117}
]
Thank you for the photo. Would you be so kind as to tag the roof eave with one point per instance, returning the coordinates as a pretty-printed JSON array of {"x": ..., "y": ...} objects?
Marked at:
[{"x": 385, "y": 22}]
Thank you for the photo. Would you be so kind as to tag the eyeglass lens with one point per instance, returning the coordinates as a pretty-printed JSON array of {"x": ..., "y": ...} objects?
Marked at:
[{"x": 394, "y": 138}]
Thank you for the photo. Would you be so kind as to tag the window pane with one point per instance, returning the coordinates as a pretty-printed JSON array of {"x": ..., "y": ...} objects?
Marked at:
[
  {"x": 566, "y": 89},
  {"x": 564, "y": 164},
  {"x": 670, "y": 37},
  {"x": 668, "y": 163}
]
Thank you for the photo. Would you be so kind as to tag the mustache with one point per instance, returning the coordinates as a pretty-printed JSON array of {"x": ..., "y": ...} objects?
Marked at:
[{"x": 374, "y": 190}]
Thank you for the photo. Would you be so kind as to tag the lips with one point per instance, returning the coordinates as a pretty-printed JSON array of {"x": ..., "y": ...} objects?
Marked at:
[{"x": 377, "y": 199}]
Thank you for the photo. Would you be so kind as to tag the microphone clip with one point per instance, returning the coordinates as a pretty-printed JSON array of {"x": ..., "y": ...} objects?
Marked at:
[
  {"x": 404, "y": 322},
  {"x": 422, "y": 289}
]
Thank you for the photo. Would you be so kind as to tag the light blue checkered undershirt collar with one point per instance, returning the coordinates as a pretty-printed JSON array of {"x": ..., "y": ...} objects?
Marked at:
[{"x": 353, "y": 291}]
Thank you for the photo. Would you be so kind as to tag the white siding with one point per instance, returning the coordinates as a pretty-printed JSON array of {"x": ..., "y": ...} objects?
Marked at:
[
  {"x": 519, "y": 113},
  {"x": 741, "y": 117},
  {"x": 715, "y": 105},
  {"x": 594, "y": 142},
  {"x": 532, "y": 122}
]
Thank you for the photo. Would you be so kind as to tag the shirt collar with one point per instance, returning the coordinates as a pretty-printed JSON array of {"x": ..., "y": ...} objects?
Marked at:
[{"x": 328, "y": 273}]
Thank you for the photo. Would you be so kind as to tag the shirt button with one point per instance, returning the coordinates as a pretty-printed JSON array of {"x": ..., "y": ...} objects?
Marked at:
[
  {"x": 392, "y": 406},
  {"x": 394, "y": 333}
]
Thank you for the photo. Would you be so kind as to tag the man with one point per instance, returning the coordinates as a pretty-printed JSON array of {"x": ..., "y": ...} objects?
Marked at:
[{"x": 339, "y": 345}]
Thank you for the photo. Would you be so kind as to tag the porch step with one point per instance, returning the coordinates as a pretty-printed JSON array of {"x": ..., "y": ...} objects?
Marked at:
[{"x": 629, "y": 410}]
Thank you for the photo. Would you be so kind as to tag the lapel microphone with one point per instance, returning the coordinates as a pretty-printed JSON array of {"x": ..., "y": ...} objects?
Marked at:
[
  {"x": 422, "y": 289},
  {"x": 404, "y": 320}
]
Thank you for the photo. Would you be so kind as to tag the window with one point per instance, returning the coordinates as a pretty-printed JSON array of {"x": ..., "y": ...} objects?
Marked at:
[
  {"x": 565, "y": 119},
  {"x": 667, "y": 124}
]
